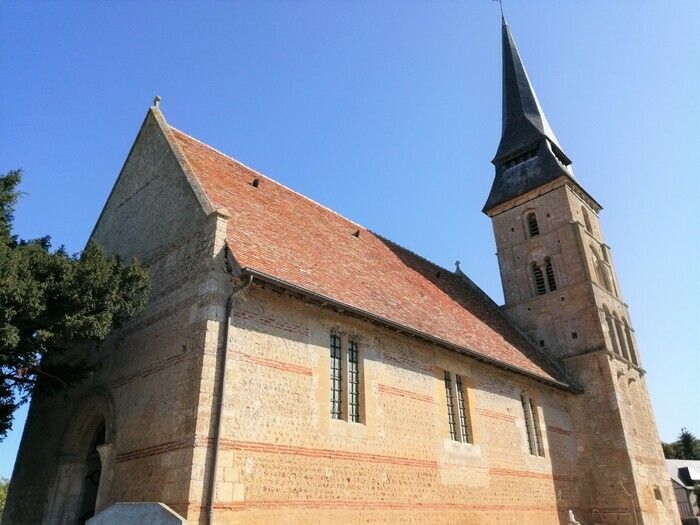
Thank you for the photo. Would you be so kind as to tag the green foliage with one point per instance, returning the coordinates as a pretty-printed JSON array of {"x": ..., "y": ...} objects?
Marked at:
[
  {"x": 4, "y": 484},
  {"x": 686, "y": 447},
  {"x": 669, "y": 450},
  {"x": 52, "y": 302}
]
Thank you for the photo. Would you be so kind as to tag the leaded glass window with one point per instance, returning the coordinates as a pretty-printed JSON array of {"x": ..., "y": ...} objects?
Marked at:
[
  {"x": 532, "y": 426},
  {"x": 450, "y": 406},
  {"x": 336, "y": 378},
  {"x": 536, "y": 429},
  {"x": 529, "y": 430},
  {"x": 464, "y": 434},
  {"x": 353, "y": 383}
]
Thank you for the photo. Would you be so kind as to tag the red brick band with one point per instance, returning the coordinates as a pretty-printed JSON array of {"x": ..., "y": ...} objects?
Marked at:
[
  {"x": 155, "y": 450},
  {"x": 386, "y": 389},
  {"x": 615, "y": 510},
  {"x": 495, "y": 415},
  {"x": 270, "y": 321},
  {"x": 384, "y": 505},
  {"x": 167, "y": 363},
  {"x": 278, "y": 365},
  {"x": 272, "y": 448}
]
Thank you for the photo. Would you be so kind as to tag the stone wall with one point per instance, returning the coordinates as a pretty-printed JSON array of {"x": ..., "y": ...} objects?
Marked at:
[
  {"x": 622, "y": 451},
  {"x": 146, "y": 388},
  {"x": 285, "y": 460}
]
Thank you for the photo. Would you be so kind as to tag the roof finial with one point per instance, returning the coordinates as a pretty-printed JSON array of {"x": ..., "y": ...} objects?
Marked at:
[
  {"x": 457, "y": 263},
  {"x": 156, "y": 101},
  {"x": 500, "y": 4}
]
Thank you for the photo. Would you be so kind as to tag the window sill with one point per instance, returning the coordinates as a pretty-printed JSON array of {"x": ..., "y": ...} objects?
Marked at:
[
  {"x": 340, "y": 427},
  {"x": 462, "y": 449}
]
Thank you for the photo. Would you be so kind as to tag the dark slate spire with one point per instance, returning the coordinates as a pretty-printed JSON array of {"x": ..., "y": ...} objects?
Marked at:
[
  {"x": 529, "y": 154},
  {"x": 524, "y": 122}
]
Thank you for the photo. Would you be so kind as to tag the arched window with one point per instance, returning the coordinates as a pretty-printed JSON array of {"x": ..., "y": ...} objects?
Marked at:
[
  {"x": 532, "y": 227},
  {"x": 611, "y": 332},
  {"x": 586, "y": 218},
  {"x": 630, "y": 344},
  {"x": 551, "y": 282},
  {"x": 538, "y": 277},
  {"x": 600, "y": 273},
  {"x": 621, "y": 338}
]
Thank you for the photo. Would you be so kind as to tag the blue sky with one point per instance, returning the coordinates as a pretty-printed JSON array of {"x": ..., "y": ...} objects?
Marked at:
[{"x": 389, "y": 113}]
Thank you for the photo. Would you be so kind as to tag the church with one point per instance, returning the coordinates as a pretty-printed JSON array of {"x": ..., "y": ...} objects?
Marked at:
[{"x": 294, "y": 367}]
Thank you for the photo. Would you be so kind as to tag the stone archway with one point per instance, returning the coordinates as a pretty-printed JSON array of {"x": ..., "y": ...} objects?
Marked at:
[
  {"x": 91, "y": 479},
  {"x": 85, "y": 462}
]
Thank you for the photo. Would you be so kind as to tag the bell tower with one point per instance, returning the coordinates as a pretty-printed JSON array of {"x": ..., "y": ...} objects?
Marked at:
[{"x": 560, "y": 287}]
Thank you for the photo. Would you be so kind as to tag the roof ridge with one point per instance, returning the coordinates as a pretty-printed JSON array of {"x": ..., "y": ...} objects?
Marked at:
[
  {"x": 380, "y": 236},
  {"x": 415, "y": 254},
  {"x": 268, "y": 178}
]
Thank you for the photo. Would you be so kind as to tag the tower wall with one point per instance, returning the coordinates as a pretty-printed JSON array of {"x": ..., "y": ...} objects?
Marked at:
[{"x": 584, "y": 323}]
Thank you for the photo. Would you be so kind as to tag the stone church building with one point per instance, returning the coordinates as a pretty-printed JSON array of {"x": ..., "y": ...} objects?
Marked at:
[{"x": 295, "y": 367}]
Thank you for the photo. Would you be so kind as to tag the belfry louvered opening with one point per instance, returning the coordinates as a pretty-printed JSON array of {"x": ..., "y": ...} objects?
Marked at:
[
  {"x": 521, "y": 158},
  {"x": 538, "y": 276},
  {"x": 551, "y": 281},
  {"x": 533, "y": 228}
]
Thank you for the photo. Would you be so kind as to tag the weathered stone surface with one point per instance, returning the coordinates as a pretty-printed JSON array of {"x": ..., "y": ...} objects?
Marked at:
[
  {"x": 147, "y": 385},
  {"x": 618, "y": 445},
  {"x": 283, "y": 458}
]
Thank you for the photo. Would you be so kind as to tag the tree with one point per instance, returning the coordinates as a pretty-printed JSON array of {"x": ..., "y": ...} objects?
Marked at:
[
  {"x": 52, "y": 304},
  {"x": 669, "y": 450},
  {"x": 687, "y": 446},
  {"x": 4, "y": 484}
]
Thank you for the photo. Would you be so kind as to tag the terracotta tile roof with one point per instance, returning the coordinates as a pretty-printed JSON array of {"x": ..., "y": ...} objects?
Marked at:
[{"x": 279, "y": 232}]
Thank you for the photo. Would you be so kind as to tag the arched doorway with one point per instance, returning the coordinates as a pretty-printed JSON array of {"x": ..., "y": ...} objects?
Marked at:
[
  {"x": 83, "y": 477},
  {"x": 93, "y": 473}
]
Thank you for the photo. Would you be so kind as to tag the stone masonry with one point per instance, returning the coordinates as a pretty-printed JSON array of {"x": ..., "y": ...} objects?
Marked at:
[{"x": 465, "y": 412}]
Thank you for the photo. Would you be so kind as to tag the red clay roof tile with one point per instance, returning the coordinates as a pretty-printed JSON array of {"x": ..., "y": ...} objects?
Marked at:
[{"x": 279, "y": 232}]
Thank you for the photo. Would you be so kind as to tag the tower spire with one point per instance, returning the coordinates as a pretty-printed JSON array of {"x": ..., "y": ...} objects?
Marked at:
[
  {"x": 529, "y": 154},
  {"x": 524, "y": 122},
  {"x": 500, "y": 4}
]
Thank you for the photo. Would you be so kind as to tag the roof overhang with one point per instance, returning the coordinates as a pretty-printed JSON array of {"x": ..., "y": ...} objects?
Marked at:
[
  {"x": 326, "y": 301},
  {"x": 564, "y": 180}
]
